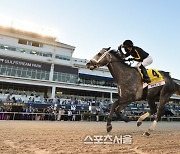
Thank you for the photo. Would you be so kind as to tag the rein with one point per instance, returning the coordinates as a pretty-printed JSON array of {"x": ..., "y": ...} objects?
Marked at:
[
  {"x": 110, "y": 59},
  {"x": 104, "y": 54}
]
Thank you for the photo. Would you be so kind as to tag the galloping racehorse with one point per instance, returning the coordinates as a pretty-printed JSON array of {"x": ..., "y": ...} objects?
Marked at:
[{"x": 130, "y": 87}]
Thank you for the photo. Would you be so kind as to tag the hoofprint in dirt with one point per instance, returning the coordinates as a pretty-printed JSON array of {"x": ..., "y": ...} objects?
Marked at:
[{"x": 49, "y": 137}]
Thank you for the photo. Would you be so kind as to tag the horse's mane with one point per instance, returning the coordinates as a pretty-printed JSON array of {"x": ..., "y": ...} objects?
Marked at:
[{"x": 118, "y": 56}]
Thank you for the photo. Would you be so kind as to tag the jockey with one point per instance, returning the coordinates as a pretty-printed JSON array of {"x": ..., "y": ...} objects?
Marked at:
[{"x": 139, "y": 55}]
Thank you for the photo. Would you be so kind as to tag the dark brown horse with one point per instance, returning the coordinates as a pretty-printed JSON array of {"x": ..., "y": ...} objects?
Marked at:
[{"x": 130, "y": 87}]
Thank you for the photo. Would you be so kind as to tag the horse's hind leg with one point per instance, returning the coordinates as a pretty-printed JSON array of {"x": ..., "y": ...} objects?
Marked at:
[
  {"x": 109, "y": 118},
  {"x": 163, "y": 99},
  {"x": 153, "y": 110},
  {"x": 141, "y": 118}
]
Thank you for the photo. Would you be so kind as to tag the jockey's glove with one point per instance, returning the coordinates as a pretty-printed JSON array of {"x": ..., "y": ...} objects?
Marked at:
[
  {"x": 131, "y": 59},
  {"x": 119, "y": 47}
]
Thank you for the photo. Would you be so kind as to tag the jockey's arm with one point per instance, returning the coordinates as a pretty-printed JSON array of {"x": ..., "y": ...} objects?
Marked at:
[{"x": 121, "y": 53}]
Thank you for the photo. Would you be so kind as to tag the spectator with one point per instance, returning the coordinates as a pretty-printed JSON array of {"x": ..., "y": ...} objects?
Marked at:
[
  {"x": 8, "y": 98},
  {"x": 97, "y": 116},
  {"x": 14, "y": 99},
  {"x": 69, "y": 115},
  {"x": 60, "y": 113},
  {"x": 74, "y": 116}
]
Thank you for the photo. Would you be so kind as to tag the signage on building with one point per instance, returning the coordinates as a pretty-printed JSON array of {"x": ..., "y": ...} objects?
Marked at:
[
  {"x": 13, "y": 104},
  {"x": 24, "y": 63},
  {"x": 21, "y": 63}
]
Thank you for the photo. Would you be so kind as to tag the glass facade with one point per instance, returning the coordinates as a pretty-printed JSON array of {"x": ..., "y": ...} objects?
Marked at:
[
  {"x": 23, "y": 72},
  {"x": 63, "y": 57},
  {"x": 34, "y": 52},
  {"x": 61, "y": 74},
  {"x": 65, "y": 77},
  {"x": 27, "y": 51},
  {"x": 97, "y": 82}
]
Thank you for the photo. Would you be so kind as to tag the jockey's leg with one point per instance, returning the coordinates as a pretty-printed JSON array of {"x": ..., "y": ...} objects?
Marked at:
[
  {"x": 145, "y": 75},
  {"x": 147, "y": 61}
]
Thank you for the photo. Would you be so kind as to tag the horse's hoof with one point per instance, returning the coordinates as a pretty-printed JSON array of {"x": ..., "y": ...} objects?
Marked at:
[
  {"x": 146, "y": 134},
  {"x": 126, "y": 120},
  {"x": 109, "y": 128},
  {"x": 139, "y": 123}
]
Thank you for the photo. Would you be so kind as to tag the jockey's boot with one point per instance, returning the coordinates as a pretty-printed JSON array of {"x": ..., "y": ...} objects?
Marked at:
[{"x": 145, "y": 75}]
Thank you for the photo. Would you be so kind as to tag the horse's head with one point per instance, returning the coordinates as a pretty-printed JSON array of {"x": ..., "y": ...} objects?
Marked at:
[{"x": 100, "y": 59}]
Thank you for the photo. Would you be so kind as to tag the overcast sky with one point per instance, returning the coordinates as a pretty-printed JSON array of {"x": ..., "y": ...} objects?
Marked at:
[{"x": 90, "y": 25}]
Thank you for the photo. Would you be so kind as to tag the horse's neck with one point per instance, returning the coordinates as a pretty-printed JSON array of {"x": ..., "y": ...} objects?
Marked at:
[{"x": 120, "y": 71}]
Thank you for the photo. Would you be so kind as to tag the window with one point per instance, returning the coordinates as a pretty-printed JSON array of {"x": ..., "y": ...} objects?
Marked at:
[
  {"x": 22, "y": 41},
  {"x": 42, "y": 75},
  {"x": 22, "y": 50},
  {"x": 35, "y": 44},
  {"x": 33, "y": 52},
  {"x": 12, "y": 49},
  {"x": 55, "y": 76},
  {"x": 33, "y": 75},
  {"x": 2, "y": 47},
  {"x": 29, "y": 42},
  {"x": 62, "y": 57},
  {"x": 68, "y": 78},
  {"x": 23, "y": 73},
  {"x": 6, "y": 47},
  {"x": 29, "y": 73},
  {"x": 3, "y": 70},
  {"x": 18, "y": 73},
  {"x": 27, "y": 51},
  {"x": 38, "y": 75},
  {"x": 40, "y": 45},
  {"x": 47, "y": 54}
]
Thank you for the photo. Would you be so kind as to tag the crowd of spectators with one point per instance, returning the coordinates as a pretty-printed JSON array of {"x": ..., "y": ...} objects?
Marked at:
[
  {"x": 75, "y": 110},
  {"x": 68, "y": 108}
]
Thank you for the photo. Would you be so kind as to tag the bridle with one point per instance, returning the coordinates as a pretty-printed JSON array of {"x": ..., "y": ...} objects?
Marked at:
[
  {"x": 97, "y": 62},
  {"x": 103, "y": 56}
]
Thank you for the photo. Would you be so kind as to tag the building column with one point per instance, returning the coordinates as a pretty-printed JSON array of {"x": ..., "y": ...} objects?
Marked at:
[
  {"x": 111, "y": 97},
  {"x": 53, "y": 92},
  {"x": 51, "y": 73},
  {"x": 102, "y": 96}
]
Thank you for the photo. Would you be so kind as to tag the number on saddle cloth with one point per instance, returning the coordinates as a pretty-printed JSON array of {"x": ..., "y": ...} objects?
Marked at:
[{"x": 155, "y": 77}]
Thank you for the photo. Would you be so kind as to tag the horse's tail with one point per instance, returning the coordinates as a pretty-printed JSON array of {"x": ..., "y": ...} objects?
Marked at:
[{"x": 177, "y": 89}]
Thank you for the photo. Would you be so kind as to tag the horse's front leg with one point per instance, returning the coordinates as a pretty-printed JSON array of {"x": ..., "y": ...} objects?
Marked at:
[
  {"x": 119, "y": 114},
  {"x": 109, "y": 119}
]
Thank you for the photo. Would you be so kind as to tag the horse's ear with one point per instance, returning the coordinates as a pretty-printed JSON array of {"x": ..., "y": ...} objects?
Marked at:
[{"x": 107, "y": 49}]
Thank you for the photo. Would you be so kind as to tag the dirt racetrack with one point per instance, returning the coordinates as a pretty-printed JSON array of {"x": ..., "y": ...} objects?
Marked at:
[{"x": 54, "y": 137}]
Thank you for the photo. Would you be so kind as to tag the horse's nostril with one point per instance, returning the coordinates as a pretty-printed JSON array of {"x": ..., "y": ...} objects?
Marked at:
[{"x": 87, "y": 64}]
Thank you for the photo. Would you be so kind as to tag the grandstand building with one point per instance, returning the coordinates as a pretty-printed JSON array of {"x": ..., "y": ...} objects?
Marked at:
[{"x": 34, "y": 64}]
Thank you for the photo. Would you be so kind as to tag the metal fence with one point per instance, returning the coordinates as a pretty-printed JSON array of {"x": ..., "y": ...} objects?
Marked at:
[{"x": 65, "y": 117}]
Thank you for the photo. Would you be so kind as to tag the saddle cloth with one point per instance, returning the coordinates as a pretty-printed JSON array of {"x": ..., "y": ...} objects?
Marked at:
[{"x": 155, "y": 77}]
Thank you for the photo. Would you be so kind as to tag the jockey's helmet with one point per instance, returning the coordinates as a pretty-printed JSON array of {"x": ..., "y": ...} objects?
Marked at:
[{"x": 127, "y": 43}]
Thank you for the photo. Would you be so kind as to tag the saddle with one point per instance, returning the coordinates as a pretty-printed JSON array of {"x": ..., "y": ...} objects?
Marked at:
[{"x": 156, "y": 78}]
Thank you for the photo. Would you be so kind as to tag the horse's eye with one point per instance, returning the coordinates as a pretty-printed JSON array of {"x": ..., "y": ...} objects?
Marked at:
[{"x": 99, "y": 54}]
